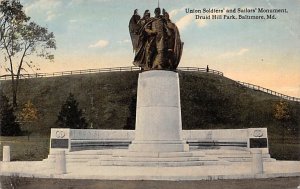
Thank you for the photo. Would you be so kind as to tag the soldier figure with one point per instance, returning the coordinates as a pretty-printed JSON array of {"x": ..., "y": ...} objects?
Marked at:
[
  {"x": 157, "y": 45},
  {"x": 158, "y": 30}
]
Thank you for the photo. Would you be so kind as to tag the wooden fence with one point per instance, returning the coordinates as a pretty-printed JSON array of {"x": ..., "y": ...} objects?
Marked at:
[
  {"x": 73, "y": 72},
  {"x": 132, "y": 68},
  {"x": 89, "y": 71},
  {"x": 262, "y": 89}
]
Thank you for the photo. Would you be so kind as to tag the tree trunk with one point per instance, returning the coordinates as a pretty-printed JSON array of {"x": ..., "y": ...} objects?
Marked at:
[
  {"x": 283, "y": 133},
  {"x": 15, "y": 96},
  {"x": 14, "y": 90}
]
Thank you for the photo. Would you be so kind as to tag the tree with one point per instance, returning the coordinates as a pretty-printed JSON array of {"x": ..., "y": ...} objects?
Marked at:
[
  {"x": 281, "y": 111},
  {"x": 9, "y": 126},
  {"x": 130, "y": 123},
  {"x": 20, "y": 39},
  {"x": 10, "y": 12},
  {"x": 29, "y": 113},
  {"x": 282, "y": 114},
  {"x": 70, "y": 116}
]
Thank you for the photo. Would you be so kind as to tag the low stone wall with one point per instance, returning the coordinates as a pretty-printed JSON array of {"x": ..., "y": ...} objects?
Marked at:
[{"x": 80, "y": 139}]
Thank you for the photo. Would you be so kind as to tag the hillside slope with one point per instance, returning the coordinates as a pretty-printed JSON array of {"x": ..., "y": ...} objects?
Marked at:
[{"x": 108, "y": 101}]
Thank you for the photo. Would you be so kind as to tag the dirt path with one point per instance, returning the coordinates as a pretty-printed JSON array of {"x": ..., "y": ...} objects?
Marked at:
[{"x": 30, "y": 183}]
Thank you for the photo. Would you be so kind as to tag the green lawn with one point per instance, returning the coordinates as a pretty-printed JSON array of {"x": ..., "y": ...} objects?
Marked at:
[
  {"x": 26, "y": 149},
  {"x": 285, "y": 151}
]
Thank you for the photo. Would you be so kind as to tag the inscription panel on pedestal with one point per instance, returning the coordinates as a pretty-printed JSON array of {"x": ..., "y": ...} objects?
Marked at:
[
  {"x": 258, "y": 143},
  {"x": 59, "y": 143}
]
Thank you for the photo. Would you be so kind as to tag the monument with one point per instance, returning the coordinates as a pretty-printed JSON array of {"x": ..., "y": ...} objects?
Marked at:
[
  {"x": 158, "y": 114},
  {"x": 158, "y": 48},
  {"x": 158, "y": 139}
]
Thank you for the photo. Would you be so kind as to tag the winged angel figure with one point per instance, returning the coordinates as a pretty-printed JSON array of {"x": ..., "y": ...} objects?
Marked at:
[{"x": 155, "y": 40}]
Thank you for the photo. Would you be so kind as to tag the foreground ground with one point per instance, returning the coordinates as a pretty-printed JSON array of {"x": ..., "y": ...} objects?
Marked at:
[{"x": 32, "y": 183}]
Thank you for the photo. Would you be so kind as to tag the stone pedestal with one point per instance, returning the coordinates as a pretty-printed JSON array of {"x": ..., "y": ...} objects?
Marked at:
[
  {"x": 257, "y": 161},
  {"x": 60, "y": 162},
  {"x": 158, "y": 114},
  {"x": 6, "y": 153}
]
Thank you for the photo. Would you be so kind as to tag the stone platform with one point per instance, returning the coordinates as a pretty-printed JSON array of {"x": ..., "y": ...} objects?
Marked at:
[
  {"x": 110, "y": 147},
  {"x": 217, "y": 164},
  {"x": 151, "y": 159}
]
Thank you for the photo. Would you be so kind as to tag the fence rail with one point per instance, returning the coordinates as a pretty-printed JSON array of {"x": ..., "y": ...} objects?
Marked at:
[
  {"x": 132, "y": 68},
  {"x": 88, "y": 71},
  {"x": 200, "y": 70},
  {"x": 73, "y": 72},
  {"x": 262, "y": 89}
]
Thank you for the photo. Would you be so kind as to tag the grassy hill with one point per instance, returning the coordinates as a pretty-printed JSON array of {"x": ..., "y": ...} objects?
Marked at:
[{"x": 208, "y": 101}]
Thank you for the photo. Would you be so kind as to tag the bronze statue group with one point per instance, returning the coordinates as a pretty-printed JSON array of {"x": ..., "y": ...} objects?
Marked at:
[{"x": 155, "y": 40}]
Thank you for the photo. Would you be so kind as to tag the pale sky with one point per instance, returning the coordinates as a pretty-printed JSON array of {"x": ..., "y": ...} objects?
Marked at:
[{"x": 94, "y": 34}]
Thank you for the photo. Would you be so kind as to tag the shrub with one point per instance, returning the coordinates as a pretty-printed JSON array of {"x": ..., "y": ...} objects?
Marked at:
[{"x": 9, "y": 125}]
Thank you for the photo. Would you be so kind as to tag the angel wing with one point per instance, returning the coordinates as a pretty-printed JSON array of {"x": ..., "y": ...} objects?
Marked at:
[{"x": 134, "y": 29}]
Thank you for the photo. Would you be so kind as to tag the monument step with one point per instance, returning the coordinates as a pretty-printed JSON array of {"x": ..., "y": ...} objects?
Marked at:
[
  {"x": 237, "y": 159},
  {"x": 92, "y": 152},
  {"x": 71, "y": 157},
  {"x": 269, "y": 159},
  {"x": 83, "y": 147},
  {"x": 239, "y": 155},
  {"x": 87, "y": 152},
  {"x": 77, "y": 160},
  {"x": 233, "y": 156},
  {"x": 76, "y": 156},
  {"x": 150, "y": 159},
  {"x": 152, "y": 154},
  {"x": 222, "y": 152},
  {"x": 156, "y": 164},
  {"x": 245, "y": 159}
]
